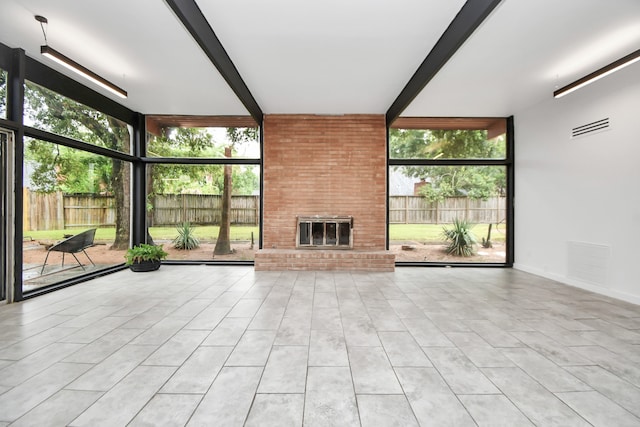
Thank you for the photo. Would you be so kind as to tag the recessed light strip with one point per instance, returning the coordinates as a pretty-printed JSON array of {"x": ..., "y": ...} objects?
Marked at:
[
  {"x": 70, "y": 64},
  {"x": 597, "y": 75}
]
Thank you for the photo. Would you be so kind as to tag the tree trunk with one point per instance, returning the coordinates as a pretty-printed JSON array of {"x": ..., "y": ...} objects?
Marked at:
[
  {"x": 223, "y": 244},
  {"x": 121, "y": 180}
]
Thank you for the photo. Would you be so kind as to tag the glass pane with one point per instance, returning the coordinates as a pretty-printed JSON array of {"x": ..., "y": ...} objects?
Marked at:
[
  {"x": 52, "y": 112},
  {"x": 344, "y": 231},
  {"x": 331, "y": 233},
  {"x": 205, "y": 142},
  {"x": 188, "y": 200},
  {"x": 438, "y": 144},
  {"x": 317, "y": 230},
  {"x": 3, "y": 94},
  {"x": 76, "y": 205},
  {"x": 426, "y": 203},
  {"x": 305, "y": 233}
]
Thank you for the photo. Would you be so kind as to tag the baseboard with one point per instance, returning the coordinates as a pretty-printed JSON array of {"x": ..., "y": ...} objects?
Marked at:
[{"x": 623, "y": 296}]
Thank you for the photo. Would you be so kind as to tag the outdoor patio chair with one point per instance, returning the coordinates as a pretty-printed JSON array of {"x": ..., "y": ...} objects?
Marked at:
[{"x": 73, "y": 245}]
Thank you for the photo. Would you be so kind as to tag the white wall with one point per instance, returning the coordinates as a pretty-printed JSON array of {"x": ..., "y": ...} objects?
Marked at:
[{"x": 583, "y": 190}]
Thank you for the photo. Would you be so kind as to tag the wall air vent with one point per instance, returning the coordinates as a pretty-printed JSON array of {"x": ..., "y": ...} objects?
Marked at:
[{"x": 590, "y": 128}]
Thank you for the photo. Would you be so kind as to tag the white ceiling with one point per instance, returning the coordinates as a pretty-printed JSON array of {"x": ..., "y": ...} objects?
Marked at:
[{"x": 330, "y": 57}]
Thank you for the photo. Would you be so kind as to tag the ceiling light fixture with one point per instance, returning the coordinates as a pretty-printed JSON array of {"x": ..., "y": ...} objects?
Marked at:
[
  {"x": 597, "y": 75},
  {"x": 72, "y": 65}
]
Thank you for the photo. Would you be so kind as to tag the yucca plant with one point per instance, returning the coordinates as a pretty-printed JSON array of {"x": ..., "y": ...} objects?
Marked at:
[
  {"x": 460, "y": 239},
  {"x": 186, "y": 239}
]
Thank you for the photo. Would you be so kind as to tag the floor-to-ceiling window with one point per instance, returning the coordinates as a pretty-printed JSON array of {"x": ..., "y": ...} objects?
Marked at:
[
  {"x": 449, "y": 191},
  {"x": 72, "y": 185},
  {"x": 203, "y": 192}
]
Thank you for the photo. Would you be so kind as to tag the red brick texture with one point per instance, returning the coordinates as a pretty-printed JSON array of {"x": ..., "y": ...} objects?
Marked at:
[{"x": 324, "y": 165}]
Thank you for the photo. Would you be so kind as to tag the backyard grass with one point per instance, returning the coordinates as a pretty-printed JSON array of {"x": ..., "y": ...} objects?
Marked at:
[
  {"x": 433, "y": 232},
  {"x": 204, "y": 233},
  {"x": 399, "y": 232}
]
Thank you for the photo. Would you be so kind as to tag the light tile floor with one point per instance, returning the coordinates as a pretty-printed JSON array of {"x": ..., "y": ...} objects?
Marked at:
[{"x": 228, "y": 346}]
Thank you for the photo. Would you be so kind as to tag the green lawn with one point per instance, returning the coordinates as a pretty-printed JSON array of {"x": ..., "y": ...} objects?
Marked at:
[
  {"x": 238, "y": 232},
  {"x": 433, "y": 232},
  {"x": 403, "y": 232}
]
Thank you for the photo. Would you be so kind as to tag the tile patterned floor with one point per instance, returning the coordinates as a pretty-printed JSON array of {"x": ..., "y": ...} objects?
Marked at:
[{"x": 228, "y": 346}]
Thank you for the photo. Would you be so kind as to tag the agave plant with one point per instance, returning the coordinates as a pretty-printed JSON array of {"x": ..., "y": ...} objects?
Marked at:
[
  {"x": 460, "y": 239},
  {"x": 185, "y": 239}
]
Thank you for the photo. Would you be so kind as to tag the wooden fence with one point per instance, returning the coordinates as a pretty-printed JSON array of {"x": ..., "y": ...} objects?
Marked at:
[
  {"x": 417, "y": 210},
  {"x": 58, "y": 211}
]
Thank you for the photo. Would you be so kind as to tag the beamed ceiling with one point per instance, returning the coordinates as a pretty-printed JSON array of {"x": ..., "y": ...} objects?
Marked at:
[{"x": 406, "y": 58}]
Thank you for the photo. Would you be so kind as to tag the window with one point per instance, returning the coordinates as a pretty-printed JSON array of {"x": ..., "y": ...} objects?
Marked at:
[
  {"x": 52, "y": 112},
  {"x": 194, "y": 190},
  {"x": 67, "y": 192},
  {"x": 448, "y": 192}
]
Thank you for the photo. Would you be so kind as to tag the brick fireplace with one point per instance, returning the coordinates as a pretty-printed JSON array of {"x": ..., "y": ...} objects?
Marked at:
[{"x": 324, "y": 166}]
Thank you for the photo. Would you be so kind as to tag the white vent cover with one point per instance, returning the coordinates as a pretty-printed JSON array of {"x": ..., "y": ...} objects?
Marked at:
[
  {"x": 589, "y": 263},
  {"x": 590, "y": 128}
]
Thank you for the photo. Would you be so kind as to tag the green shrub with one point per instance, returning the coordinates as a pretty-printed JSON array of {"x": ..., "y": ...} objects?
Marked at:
[
  {"x": 186, "y": 239},
  {"x": 460, "y": 239},
  {"x": 144, "y": 252}
]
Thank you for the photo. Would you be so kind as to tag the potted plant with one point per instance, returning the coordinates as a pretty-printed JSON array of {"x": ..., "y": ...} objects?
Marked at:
[{"x": 145, "y": 257}]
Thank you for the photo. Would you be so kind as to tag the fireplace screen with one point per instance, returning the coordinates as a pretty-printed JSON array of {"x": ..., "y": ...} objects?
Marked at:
[{"x": 325, "y": 232}]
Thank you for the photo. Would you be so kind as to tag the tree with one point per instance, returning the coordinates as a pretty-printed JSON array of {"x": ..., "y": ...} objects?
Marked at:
[
  {"x": 236, "y": 136},
  {"x": 55, "y": 113},
  {"x": 477, "y": 182}
]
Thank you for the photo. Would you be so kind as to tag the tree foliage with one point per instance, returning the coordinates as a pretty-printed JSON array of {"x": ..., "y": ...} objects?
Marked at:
[
  {"x": 201, "y": 179},
  {"x": 70, "y": 170},
  {"x": 477, "y": 182}
]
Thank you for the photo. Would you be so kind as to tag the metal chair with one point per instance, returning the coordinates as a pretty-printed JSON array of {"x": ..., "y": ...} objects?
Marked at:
[{"x": 73, "y": 245}]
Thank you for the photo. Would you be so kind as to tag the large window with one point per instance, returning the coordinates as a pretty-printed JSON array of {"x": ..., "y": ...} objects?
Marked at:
[
  {"x": 200, "y": 206},
  {"x": 52, "y": 112},
  {"x": 76, "y": 214},
  {"x": 448, "y": 192}
]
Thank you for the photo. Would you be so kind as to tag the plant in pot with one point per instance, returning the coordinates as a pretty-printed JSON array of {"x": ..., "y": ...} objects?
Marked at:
[{"x": 145, "y": 257}]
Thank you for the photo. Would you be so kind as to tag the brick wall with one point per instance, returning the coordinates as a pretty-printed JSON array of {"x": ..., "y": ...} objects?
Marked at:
[{"x": 324, "y": 165}]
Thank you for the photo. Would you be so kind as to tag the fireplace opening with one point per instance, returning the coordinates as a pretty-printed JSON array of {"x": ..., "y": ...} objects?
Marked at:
[{"x": 325, "y": 232}]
